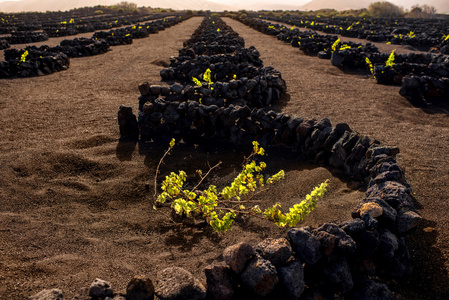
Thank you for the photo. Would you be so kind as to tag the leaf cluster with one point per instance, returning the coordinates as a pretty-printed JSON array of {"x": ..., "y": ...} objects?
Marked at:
[
  {"x": 390, "y": 60},
  {"x": 206, "y": 77},
  {"x": 23, "y": 57},
  {"x": 370, "y": 65},
  {"x": 220, "y": 208},
  {"x": 299, "y": 211},
  {"x": 335, "y": 44}
]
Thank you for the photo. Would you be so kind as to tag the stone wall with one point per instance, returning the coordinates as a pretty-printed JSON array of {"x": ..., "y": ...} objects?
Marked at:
[
  {"x": 38, "y": 67},
  {"x": 423, "y": 33},
  {"x": 4, "y": 44},
  {"x": 423, "y": 76},
  {"x": 45, "y": 60},
  {"x": 333, "y": 259}
]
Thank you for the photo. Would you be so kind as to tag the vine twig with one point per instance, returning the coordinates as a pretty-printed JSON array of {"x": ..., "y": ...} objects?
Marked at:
[
  {"x": 207, "y": 174},
  {"x": 159, "y": 165}
]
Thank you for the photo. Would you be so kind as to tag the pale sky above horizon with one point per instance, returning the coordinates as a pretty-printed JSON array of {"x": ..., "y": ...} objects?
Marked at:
[
  {"x": 403, "y": 3},
  {"x": 302, "y": 2},
  {"x": 292, "y": 2}
]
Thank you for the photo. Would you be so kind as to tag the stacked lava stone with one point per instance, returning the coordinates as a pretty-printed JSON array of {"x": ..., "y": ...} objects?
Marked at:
[{"x": 226, "y": 75}]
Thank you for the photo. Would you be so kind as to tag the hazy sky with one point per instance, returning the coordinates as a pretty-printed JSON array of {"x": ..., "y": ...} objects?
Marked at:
[
  {"x": 404, "y": 3},
  {"x": 296, "y": 3},
  {"x": 291, "y": 2}
]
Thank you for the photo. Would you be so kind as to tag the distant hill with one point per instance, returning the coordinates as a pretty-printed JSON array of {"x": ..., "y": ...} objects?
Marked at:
[
  {"x": 231, "y": 5},
  {"x": 442, "y": 6},
  {"x": 64, "y": 5},
  {"x": 338, "y": 5},
  {"x": 265, "y": 4}
]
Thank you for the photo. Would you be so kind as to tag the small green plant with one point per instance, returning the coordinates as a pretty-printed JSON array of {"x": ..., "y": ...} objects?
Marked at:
[
  {"x": 390, "y": 60},
  {"x": 239, "y": 198},
  {"x": 196, "y": 81},
  {"x": 24, "y": 56},
  {"x": 345, "y": 46},
  {"x": 335, "y": 44},
  {"x": 206, "y": 77},
  {"x": 370, "y": 65}
]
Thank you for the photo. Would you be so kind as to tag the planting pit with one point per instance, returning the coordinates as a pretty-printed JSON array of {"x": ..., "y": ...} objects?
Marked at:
[{"x": 301, "y": 176}]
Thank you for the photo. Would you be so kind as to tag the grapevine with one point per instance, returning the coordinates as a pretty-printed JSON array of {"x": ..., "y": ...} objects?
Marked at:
[{"x": 220, "y": 208}]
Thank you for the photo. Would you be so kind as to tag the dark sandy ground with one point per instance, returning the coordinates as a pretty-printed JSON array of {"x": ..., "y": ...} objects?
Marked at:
[{"x": 73, "y": 203}]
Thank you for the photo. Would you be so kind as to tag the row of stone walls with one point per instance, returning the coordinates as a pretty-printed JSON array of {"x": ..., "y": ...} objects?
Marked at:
[
  {"x": 44, "y": 60},
  {"x": 423, "y": 77}
]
